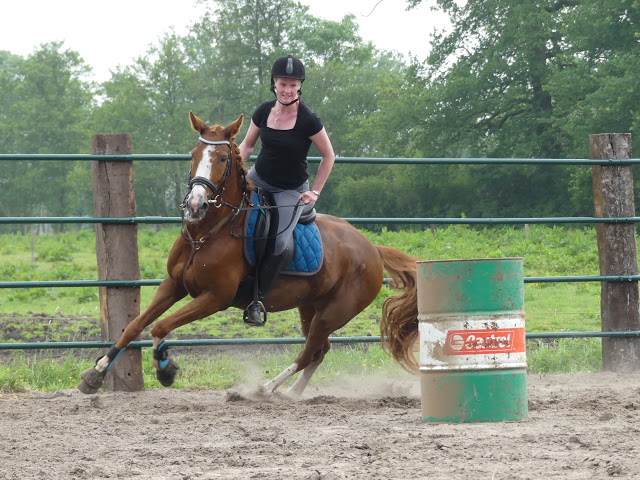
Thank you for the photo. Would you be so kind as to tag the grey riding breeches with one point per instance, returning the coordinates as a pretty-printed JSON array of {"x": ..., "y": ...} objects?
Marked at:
[{"x": 289, "y": 208}]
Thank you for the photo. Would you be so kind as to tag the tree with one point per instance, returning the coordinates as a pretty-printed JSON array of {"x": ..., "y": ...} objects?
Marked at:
[
  {"x": 9, "y": 67},
  {"x": 231, "y": 72},
  {"x": 493, "y": 83},
  {"x": 598, "y": 82},
  {"x": 168, "y": 80},
  {"x": 151, "y": 100},
  {"x": 9, "y": 83},
  {"x": 231, "y": 50},
  {"x": 45, "y": 106},
  {"x": 532, "y": 79}
]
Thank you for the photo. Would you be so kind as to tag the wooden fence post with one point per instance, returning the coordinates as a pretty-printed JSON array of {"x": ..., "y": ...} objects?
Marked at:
[
  {"x": 117, "y": 254},
  {"x": 613, "y": 197}
]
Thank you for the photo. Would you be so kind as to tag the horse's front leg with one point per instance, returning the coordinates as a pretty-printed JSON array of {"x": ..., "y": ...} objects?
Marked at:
[
  {"x": 167, "y": 294},
  {"x": 202, "y": 306}
]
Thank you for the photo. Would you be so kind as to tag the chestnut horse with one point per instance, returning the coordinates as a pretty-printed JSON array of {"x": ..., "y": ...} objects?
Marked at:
[{"x": 208, "y": 263}]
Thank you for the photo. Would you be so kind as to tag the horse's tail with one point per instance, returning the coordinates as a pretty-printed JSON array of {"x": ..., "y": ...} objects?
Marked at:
[{"x": 399, "y": 323}]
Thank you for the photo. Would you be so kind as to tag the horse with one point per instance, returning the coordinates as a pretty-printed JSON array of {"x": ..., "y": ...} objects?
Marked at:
[{"x": 208, "y": 263}]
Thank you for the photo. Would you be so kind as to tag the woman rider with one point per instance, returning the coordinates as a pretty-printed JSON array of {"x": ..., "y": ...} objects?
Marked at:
[{"x": 286, "y": 128}]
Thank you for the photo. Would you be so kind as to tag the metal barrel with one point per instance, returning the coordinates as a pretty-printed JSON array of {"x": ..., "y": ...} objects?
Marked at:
[{"x": 472, "y": 340}]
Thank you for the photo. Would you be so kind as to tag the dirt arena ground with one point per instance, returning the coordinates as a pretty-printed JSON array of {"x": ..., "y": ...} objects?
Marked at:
[{"x": 580, "y": 427}]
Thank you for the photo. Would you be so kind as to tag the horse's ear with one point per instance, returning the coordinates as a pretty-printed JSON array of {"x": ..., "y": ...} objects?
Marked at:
[
  {"x": 232, "y": 130},
  {"x": 197, "y": 124}
]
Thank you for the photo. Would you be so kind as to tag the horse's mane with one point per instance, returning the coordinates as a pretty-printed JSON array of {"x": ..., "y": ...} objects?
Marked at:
[{"x": 239, "y": 164}]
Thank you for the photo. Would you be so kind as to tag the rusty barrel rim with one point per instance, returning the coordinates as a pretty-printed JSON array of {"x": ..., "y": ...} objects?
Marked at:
[{"x": 483, "y": 286}]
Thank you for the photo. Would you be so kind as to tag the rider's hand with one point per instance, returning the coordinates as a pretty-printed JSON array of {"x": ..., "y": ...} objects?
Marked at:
[{"x": 309, "y": 197}]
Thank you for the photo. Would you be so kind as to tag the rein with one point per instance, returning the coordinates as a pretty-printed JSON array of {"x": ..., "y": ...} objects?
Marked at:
[
  {"x": 197, "y": 244},
  {"x": 216, "y": 199}
]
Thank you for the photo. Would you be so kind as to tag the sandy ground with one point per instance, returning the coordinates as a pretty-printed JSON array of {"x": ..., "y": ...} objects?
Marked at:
[{"x": 579, "y": 427}]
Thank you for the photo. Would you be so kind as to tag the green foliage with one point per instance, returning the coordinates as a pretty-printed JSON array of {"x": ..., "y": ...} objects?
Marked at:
[
  {"x": 46, "y": 372},
  {"x": 87, "y": 295},
  {"x": 513, "y": 79},
  {"x": 44, "y": 109},
  {"x": 9, "y": 272},
  {"x": 547, "y": 251},
  {"x": 198, "y": 371},
  {"x": 41, "y": 371},
  {"x": 549, "y": 307},
  {"x": 55, "y": 251},
  {"x": 565, "y": 356},
  {"x": 507, "y": 79}
]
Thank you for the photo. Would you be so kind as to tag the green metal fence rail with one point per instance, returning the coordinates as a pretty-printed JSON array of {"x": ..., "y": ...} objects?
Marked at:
[
  {"x": 352, "y": 220},
  {"x": 156, "y": 282},
  {"x": 279, "y": 341},
  {"x": 346, "y": 160}
]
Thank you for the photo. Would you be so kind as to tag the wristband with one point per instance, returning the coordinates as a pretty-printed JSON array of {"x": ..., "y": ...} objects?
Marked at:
[{"x": 316, "y": 192}]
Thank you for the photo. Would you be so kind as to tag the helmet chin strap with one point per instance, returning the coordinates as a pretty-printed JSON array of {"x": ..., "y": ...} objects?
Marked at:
[
  {"x": 285, "y": 104},
  {"x": 290, "y": 103}
]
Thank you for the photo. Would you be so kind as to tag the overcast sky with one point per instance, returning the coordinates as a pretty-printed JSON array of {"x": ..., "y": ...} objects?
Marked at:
[{"x": 115, "y": 32}]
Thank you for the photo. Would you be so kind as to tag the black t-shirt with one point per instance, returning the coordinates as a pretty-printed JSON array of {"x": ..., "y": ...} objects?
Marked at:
[{"x": 282, "y": 161}]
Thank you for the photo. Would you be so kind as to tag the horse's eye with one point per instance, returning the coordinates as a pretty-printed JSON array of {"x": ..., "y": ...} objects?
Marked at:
[{"x": 223, "y": 159}]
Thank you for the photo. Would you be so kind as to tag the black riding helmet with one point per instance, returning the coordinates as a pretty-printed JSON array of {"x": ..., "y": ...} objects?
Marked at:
[{"x": 287, "y": 67}]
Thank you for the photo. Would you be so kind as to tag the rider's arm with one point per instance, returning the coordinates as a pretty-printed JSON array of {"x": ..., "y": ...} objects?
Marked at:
[
  {"x": 249, "y": 142},
  {"x": 323, "y": 144}
]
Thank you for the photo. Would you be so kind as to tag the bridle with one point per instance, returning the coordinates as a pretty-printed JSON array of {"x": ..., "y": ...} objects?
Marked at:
[
  {"x": 217, "y": 191},
  {"x": 216, "y": 199}
]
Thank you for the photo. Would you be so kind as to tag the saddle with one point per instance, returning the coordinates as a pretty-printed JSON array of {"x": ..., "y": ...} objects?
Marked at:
[{"x": 261, "y": 230}]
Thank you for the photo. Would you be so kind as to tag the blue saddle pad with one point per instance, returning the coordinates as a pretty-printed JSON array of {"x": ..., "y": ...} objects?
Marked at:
[{"x": 307, "y": 253}]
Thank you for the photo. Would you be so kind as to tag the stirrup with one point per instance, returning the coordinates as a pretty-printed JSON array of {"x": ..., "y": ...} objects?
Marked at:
[{"x": 252, "y": 313}]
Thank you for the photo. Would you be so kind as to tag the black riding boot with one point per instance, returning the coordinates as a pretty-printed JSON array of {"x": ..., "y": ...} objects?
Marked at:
[{"x": 266, "y": 273}]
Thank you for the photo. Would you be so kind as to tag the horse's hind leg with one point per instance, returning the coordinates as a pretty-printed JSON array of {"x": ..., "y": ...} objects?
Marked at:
[
  {"x": 317, "y": 345},
  {"x": 318, "y": 324},
  {"x": 303, "y": 380},
  {"x": 306, "y": 316}
]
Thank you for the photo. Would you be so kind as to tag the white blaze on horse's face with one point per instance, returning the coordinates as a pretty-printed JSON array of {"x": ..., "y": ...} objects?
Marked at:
[
  {"x": 197, "y": 199},
  {"x": 204, "y": 167}
]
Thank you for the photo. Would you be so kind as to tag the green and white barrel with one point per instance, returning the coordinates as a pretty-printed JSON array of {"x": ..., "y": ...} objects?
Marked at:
[{"x": 472, "y": 340}]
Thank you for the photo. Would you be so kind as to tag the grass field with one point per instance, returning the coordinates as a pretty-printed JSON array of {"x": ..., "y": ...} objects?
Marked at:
[{"x": 68, "y": 314}]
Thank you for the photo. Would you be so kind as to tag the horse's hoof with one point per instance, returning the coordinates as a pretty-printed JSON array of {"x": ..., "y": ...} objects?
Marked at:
[
  {"x": 265, "y": 390},
  {"x": 85, "y": 388},
  {"x": 91, "y": 380},
  {"x": 167, "y": 375}
]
